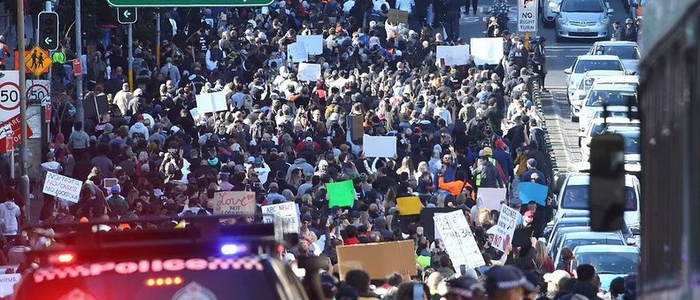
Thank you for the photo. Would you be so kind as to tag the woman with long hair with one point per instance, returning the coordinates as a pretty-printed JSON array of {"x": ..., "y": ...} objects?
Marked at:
[
  {"x": 407, "y": 166},
  {"x": 542, "y": 260}
]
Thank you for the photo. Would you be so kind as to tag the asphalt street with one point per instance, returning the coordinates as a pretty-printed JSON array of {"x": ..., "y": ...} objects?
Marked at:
[{"x": 560, "y": 55}]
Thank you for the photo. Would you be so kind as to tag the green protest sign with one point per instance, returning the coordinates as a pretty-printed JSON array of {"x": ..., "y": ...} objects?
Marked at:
[{"x": 341, "y": 193}]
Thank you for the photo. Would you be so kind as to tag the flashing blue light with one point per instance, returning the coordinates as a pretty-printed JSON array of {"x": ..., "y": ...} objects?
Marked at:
[{"x": 232, "y": 249}]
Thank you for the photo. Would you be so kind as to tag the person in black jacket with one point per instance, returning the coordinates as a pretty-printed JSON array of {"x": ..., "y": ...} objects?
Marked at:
[
  {"x": 629, "y": 33},
  {"x": 540, "y": 60}
]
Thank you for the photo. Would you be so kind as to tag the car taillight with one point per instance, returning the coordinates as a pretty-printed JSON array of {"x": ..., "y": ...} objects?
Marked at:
[
  {"x": 164, "y": 281},
  {"x": 62, "y": 258}
]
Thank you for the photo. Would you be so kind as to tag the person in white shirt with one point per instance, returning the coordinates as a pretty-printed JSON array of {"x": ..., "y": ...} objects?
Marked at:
[
  {"x": 442, "y": 112},
  {"x": 405, "y": 5},
  {"x": 9, "y": 215},
  {"x": 51, "y": 165}
]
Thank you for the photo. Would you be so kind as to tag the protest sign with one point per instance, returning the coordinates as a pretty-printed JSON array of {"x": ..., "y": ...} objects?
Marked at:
[
  {"x": 211, "y": 102},
  {"x": 530, "y": 191},
  {"x": 286, "y": 212},
  {"x": 341, "y": 194},
  {"x": 62, "y": 187},
  {"x": 487, "y": 50},
  {"x": 356, "y": 127},
  {"x": 409, "y": 205},
  {"x": 234, "y": 203},
  {"x": 7, "y": 283},
  {"x": 490, "y": 198},
  {"x": 397, "y": 16},
  {"x": 309, "y": 72},
  {"x": 297, "y": 52},
  {"x": 503, "y": 234},
  {"x": 459, "y": 240},
  {"x": 426, "y": 220},
  {"x": 379, "y": 146},
  {"x": 312, "y": 43},
  {"x": 378, "y": 259},
  {"x": 108, "y": 183},
  {"x": 454, "y": 55}
]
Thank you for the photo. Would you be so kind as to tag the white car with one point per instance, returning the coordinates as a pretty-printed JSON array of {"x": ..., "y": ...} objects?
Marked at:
[
  {"x": 573, "y": 197},
  {"x": 627, "y": 51},
  {"x": 585, "y": 63},
  {"x": 579, "y": 92},
  {"x": 547, "y": 7},
  {"x": 610, "y": 94},
  {"x": 628, "y": 128}
]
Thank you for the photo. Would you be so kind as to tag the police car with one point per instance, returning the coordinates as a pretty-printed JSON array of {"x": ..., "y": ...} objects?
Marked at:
[{"x": 206, "y": 260}]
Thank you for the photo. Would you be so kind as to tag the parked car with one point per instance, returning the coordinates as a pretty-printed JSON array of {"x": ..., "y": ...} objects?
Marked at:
[
  {"x": 612, "y": 125},
  {"x": 610, "y": 261},
  {"x": 547, "y": 7},
  {"x": 575, "y": 239},
  {"x": 582, "y": 19},
  {"x": 577, "y": 93},
  {"x": 609, "y": 94},
  {"x": 627, "y": 51}
]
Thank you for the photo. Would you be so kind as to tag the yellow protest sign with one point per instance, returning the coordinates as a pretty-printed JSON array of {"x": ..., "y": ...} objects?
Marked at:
[{"x": 409, "y": 205}]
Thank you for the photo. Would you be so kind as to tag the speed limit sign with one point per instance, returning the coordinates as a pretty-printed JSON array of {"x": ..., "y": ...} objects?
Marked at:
[
  {"x": 38, "y": 91},
  {"x": 9, "y": 95}
]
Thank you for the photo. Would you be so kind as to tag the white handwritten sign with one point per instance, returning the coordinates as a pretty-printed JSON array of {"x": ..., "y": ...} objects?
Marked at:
[
  {"x": 312, "y": 43},
  {"x": 458, "y": 240},
  {"x": 487, "y": 50},
  {"x": 503, "y": 235},
  {"x": 234, "y": 203},
  {"x": 454, "y": 55},
  {"x": 309, "y": 72},
  {"x": 62, "y": 187},
  {"x": 7, "y": 283},
  {"x": 287, "y": 213},
  {"x": 297, "y": 52}
]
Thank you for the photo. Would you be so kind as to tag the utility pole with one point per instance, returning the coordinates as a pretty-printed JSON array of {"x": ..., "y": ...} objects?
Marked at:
[
  {"x": 158, "y": 39},
  {"x": 79, "y": 108},
  {"x": 22, "y": 105},
  {"x": 131, "y": 57},
  {"x": 48, "y": 7}
]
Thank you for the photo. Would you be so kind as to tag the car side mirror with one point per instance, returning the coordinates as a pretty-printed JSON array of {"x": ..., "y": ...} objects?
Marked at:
[
  {"x": 610, "y": 11},
  {"x": 635, "y": 231},
  {"x": 607, "y": 183},
  {"x": 631, "y": 73},
  {"x": 567, "y": 71},
  {"x": 631, "y": 241},
  {"x": 555, "y": 10},
  {"x": 581, "y": 97}
]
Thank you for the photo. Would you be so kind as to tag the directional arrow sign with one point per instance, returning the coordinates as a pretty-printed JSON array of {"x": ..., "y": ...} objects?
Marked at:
[
  {"x": 178, "y": 3},
  {"x": 127, "y": 15},
  {"x": 48, "y": 40}
]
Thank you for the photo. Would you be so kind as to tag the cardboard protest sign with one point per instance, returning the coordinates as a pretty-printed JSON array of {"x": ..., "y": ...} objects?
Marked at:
[
  {"x": 487, "y": 50},
  {"x": 454, "y": 55},
  {"x": 459, "y": 240},
  {"x": 297, "y": 52},
  {"x": 507, "y": 222},
  {"x": 286, "y": 212},
  {"x": 7, "y": 283},
  {"x": 356, "y": 126},
  {"x": 426, "y": 220},
  {"x": 530, "y": 191},
  {"x": 234, "y": 203},
  {"x": 379, "y": 146},
  {"x": 409, "y": 205},
  {"x": 341, "y": 194},
  {"x": 490, "y": 198},
  {"x": 378, "y": 259},
  {"x": 309, "y": 72},
  {"x": 62, "y": 187},
  {"x": 312, "y": 43},
  {"x": 397, "y": 16},
  {"x": 211, "y": 102}
]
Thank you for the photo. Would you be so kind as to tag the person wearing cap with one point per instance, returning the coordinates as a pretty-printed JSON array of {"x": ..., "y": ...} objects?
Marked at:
[
  {"x": 504, "y": 159},
  {"x": 506, "y": 283},
  {"x": 486, "y": 173},
  {"x": 532, "y": 174},
  {"x": 462, "y": 288},
  {"x": 117, "y": 204},
  {"x": 629, "y": 33},
  {"x": 552, "y": 280},
  {"x": 585, "y": 284}
]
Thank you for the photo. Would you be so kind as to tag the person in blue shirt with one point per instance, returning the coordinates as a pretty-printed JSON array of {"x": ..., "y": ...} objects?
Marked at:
[
  {"x": 504, "y": 159},
  {"x": 532, "y": 174}
]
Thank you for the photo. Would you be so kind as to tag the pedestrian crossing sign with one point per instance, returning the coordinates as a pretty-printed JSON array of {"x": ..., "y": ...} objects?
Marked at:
[{"x": 37, "y": 60}]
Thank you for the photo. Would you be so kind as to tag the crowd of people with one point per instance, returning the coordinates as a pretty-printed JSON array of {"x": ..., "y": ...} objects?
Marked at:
[{"x": 457, "y": 129}]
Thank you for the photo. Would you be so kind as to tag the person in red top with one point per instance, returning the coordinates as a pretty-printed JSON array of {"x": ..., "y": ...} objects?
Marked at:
[{"x": 350, "y": 236}]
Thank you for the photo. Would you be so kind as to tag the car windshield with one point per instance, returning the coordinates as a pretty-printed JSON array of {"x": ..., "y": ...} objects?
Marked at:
[
  {"x": 631, "y": 143},
  {"x": 583, "y": 6},
  {"x": 174, "y": 279},
  {"x": 576, "y": 197},
  {"x": 586, "y": 65},
  {"x": 611, "y": 98},
  {"x": 599, "y": 129},
  {"x": 610, "y": 262},
  {"x": 573, "y": 243},
  {"x": 623, "y": 52},
  {"x": 615, "y": 114}
]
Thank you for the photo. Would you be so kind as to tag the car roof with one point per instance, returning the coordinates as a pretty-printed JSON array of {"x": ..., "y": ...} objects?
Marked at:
[
  {"x": 616, "y": 43},
  {"x": 606, "y": 248},
  {"x": 604, "y": 73},
  {"x": 584, "y": 179},
  {"x": 614, "y": 87},
  {"x": 614, "y": 120},
  {"x": 565, "y": 220},
  {"x": 589, "y": 236},
  {"x": 597, "y": 57},
  {"x": 617, "y": 78},
  {"x": 614, "y": 108}
]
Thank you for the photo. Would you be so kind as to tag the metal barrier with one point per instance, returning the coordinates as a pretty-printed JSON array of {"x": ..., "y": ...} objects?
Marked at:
[{"x": 533, "y": 87}]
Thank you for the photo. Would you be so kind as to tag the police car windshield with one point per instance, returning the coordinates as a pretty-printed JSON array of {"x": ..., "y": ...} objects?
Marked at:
[
  {"x": 611, "y": 98},
  {"x": 576, "y": 197},
  {"x": 623, "y": 52},
  {"x": 586, "y": 65},
  {"x": 177, "y": 279}
]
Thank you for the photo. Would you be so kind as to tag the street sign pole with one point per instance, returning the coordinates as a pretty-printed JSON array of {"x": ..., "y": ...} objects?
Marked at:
[
  {"x": 22, "y": 108},
  {"x": 79, "y": 109},
  {"x": 131, "y": 57},
  {"x": 158, "y": 39},
  {"x": 48, "y": 7}
]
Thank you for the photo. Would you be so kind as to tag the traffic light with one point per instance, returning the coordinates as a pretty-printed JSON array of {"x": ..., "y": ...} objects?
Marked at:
[
  {"x": 48, "y": 30},
  {"x": 126, "y": 15}
]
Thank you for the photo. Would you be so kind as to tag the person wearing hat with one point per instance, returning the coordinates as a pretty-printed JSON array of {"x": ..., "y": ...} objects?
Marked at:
[
  {"x": 532, "y": 174},
  {"x": 552, "y": 280},
  {"x": 586, "y": 284},
  {"x": 117, "y": 204},
  {"x": 507, "y": 283},
  {"x": 462, "y": 288},
  {"x": 486, "y": 173},
  {"x": 629, "y": 33}
]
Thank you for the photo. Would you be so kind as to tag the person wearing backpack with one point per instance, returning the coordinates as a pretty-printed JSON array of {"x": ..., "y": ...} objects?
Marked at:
[{"x": 585, "y": 287}]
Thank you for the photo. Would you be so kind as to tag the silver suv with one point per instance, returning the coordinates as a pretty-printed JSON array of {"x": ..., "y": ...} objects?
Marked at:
[{"x": 583, "y": 19}]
